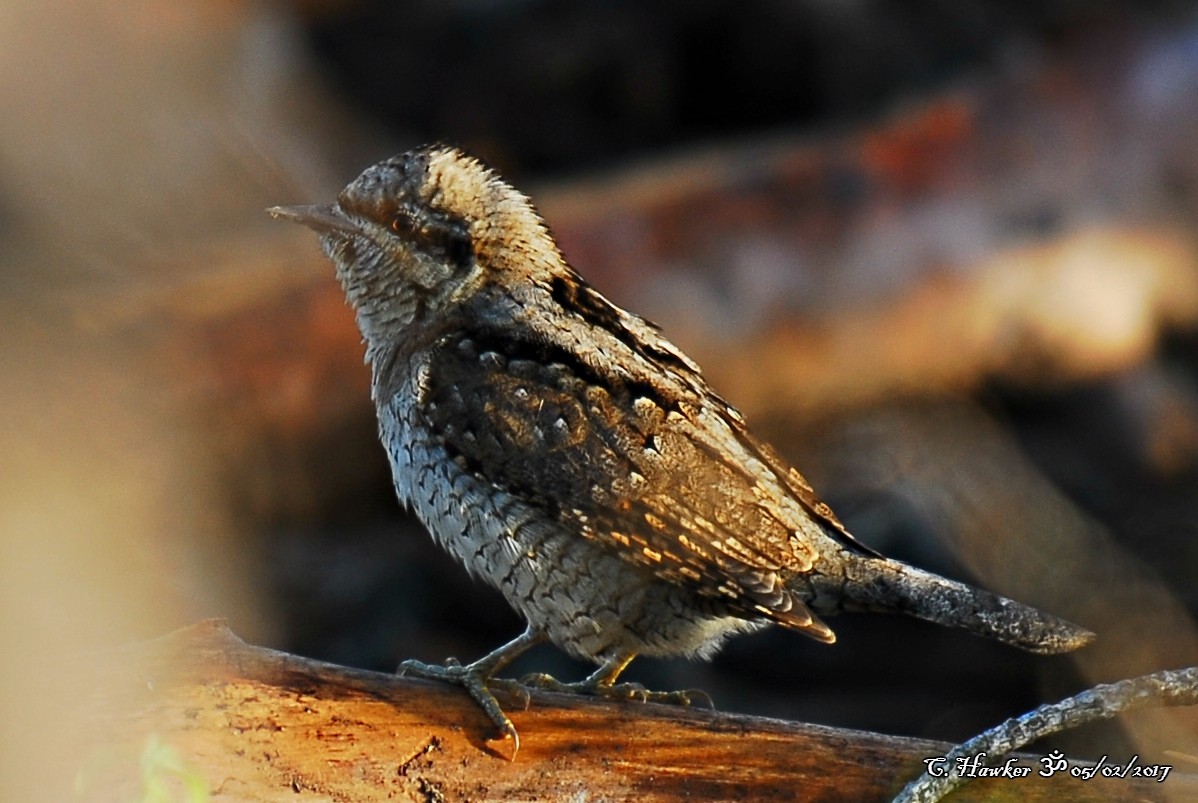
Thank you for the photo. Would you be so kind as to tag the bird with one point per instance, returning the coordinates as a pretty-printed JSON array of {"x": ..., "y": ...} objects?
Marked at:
[{"x": 568, "y": 454}]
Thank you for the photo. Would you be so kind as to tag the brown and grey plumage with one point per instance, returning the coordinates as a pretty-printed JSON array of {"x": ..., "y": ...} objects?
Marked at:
[{"x": 571, "y": 456}]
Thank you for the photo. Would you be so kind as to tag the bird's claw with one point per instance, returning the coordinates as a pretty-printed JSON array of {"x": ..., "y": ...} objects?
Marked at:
[
  {"x": 478, "y": 684},
  {"x": 477, "y": 680},
  {"x": 617, "y": 691}
]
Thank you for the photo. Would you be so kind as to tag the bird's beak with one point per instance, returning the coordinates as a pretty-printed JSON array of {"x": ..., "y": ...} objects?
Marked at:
[{"x": 321, "y": 218}]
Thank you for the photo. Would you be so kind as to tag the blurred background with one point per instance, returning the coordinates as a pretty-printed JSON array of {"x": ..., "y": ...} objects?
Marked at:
[{"x": 943, "y": 255}]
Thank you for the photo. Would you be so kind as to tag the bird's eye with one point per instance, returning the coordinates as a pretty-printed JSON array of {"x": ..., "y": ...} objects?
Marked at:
[
  {"x": 403, "y": 225},
  {"x": 434, "y": 232}
]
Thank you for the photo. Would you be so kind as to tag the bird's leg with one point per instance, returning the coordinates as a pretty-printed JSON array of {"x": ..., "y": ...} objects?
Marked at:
[
  {"x": 602, "y": 683},
  {"x": 478, "y": 678}
]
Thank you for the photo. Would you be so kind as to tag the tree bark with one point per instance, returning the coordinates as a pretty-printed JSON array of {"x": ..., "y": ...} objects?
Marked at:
[{"x": 199, "y": 708}]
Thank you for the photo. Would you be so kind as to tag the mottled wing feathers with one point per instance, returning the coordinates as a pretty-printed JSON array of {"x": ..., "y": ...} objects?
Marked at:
[
  {"x": 627, "y": 463},
  {"x": 801, "y": 490},
  {"x": 578, "y": 299}
]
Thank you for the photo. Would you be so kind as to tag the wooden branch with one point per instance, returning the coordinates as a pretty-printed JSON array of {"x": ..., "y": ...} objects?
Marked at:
[{"x": 200, "y": 706}]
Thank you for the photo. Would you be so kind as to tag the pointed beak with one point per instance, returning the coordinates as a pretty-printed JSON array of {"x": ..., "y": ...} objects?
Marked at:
[{"x": 321, "y": 218}]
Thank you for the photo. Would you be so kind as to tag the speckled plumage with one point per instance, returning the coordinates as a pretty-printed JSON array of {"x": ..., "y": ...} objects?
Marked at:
[{"x": 569, "y": 455}]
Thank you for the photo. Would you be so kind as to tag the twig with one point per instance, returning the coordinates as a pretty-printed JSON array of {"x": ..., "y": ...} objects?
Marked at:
[{"x": 1167, "y": 688}]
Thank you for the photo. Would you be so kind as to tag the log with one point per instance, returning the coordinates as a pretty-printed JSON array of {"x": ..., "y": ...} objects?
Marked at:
[{"x": 201, "y": 708}]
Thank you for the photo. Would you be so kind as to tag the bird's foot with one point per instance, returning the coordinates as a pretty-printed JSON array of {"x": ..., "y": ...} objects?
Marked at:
[
  {"x": 618, "y": 691},
  {"x": 475, "y": 678},
  {"x": 478, "y": 679}
]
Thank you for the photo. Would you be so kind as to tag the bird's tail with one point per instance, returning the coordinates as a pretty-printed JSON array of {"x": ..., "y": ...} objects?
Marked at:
[{"x": 879, "y": 584}]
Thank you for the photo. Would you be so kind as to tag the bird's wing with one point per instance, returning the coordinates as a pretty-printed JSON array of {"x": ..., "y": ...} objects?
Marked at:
[{"x": 643, "y": 466}]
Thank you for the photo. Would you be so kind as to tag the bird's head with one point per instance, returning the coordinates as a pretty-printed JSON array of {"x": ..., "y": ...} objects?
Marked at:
[{"x": 418, "y": 232}]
